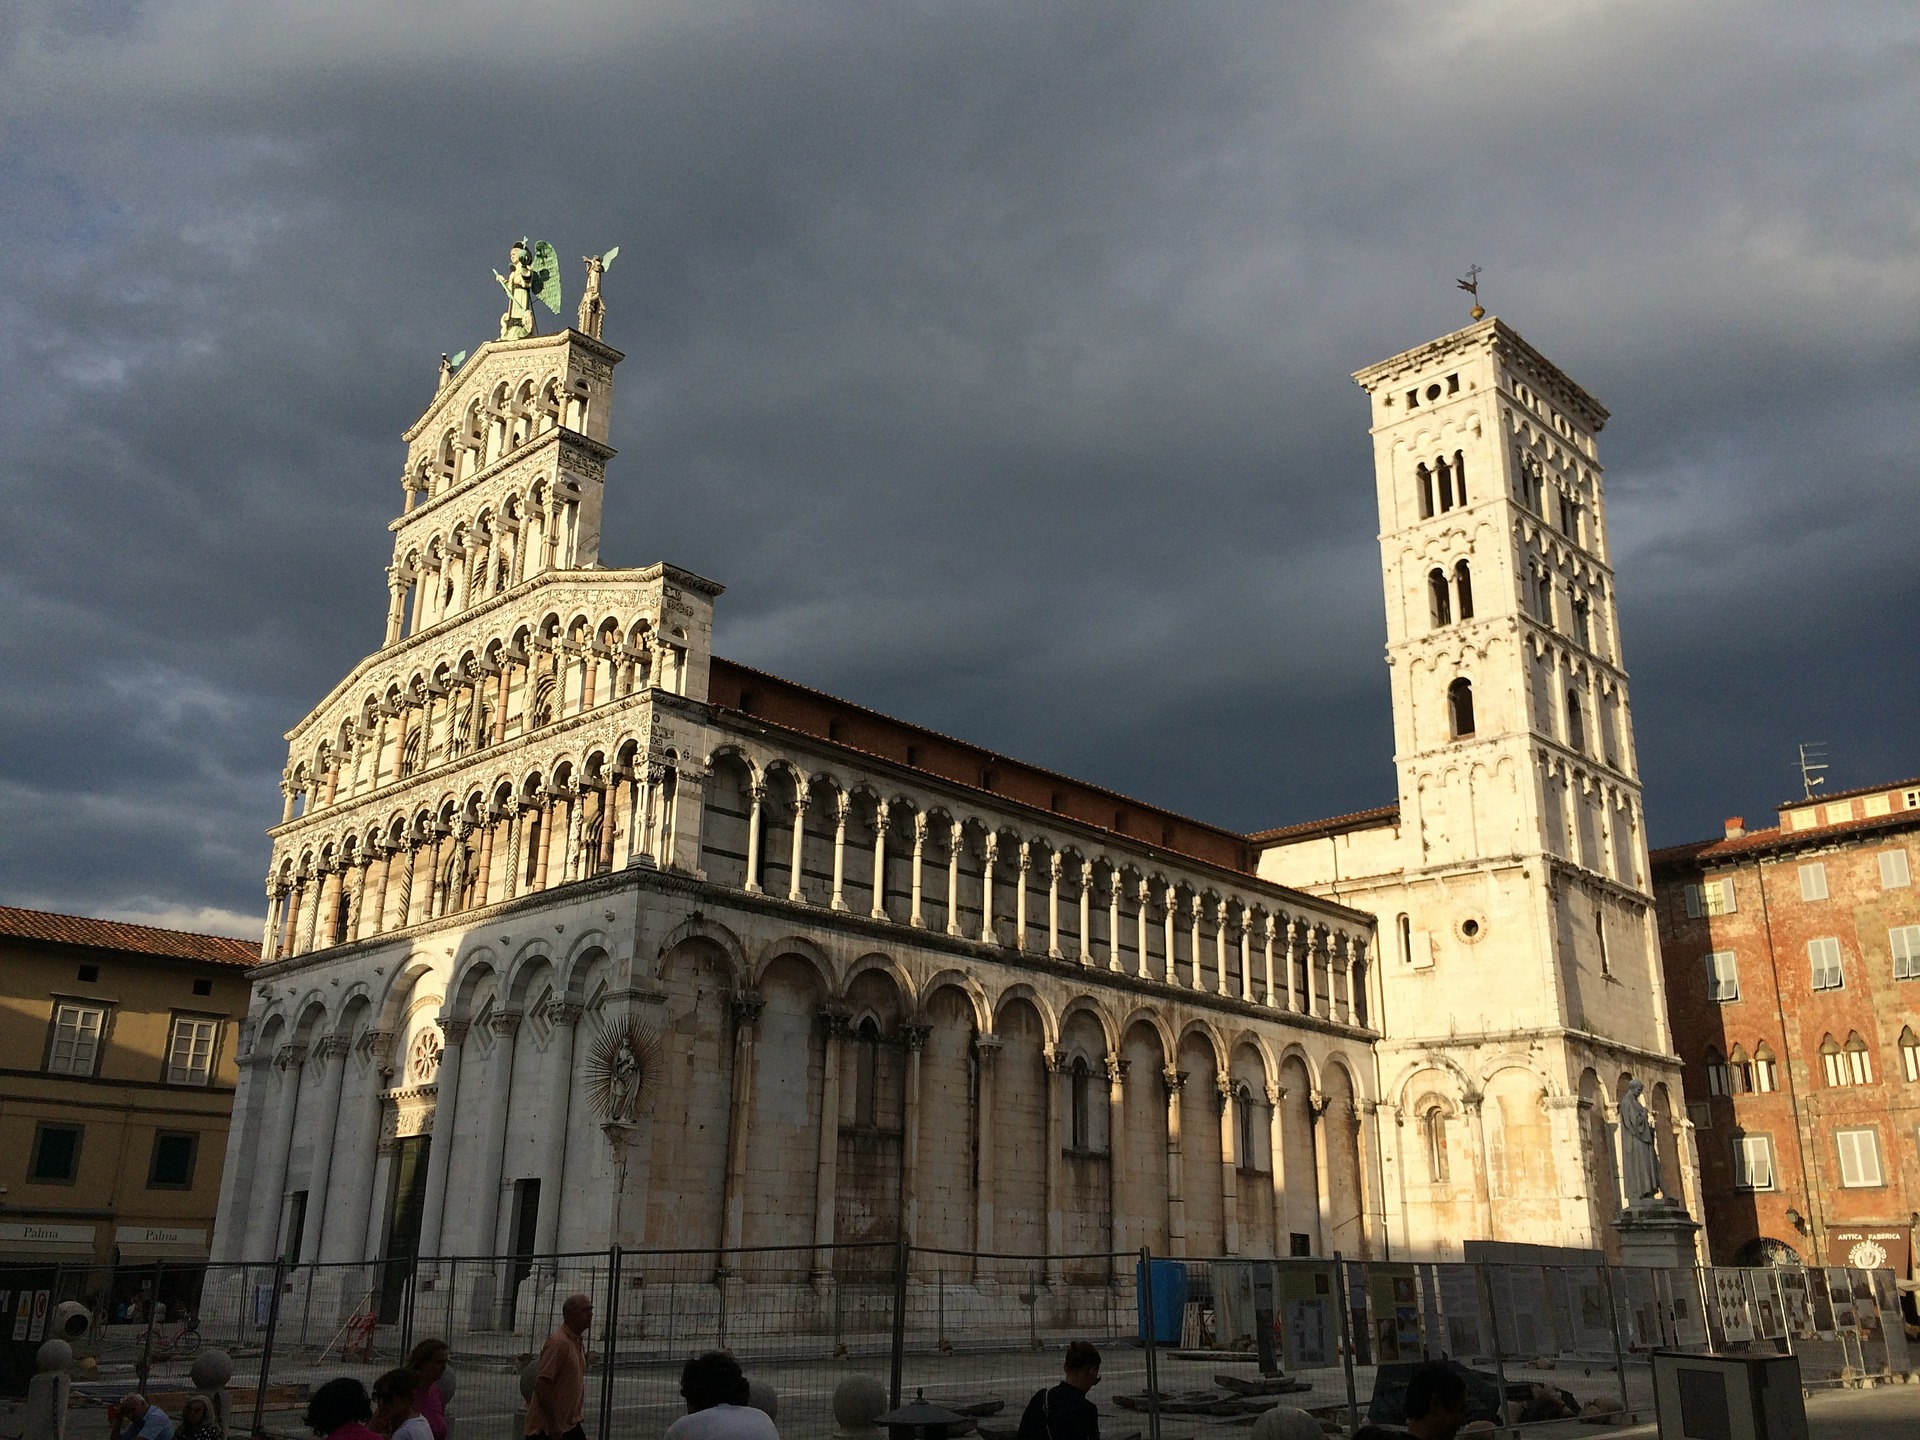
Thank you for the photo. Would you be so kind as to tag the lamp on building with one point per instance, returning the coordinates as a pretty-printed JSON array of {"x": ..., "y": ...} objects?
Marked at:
[
  {"x": 1913, "y": 1221},
  {"x": 1797, "y": 1220}
]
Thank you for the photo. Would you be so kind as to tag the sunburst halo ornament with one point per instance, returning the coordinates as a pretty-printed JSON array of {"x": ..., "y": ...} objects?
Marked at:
[{"x": 621, "y": 1069}]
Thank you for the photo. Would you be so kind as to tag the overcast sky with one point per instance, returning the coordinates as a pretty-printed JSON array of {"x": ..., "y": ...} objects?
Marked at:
[{"x": 994, "y": 356}]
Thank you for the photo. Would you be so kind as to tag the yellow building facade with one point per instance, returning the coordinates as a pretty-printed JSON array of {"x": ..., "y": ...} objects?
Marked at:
[{"x": 117, "y": 1078}]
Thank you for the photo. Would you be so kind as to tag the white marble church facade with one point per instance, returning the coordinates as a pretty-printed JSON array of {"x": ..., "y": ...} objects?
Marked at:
[{"x": 891, "y": 984}]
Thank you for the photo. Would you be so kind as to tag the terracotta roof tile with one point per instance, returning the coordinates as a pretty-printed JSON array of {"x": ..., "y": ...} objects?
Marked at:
[
  {"x": 1706, "y": 852},
  {"x": 1357, "y": 820},
  {"x": 1822, "y": 799},
  {"x": 118, "y": 935}
]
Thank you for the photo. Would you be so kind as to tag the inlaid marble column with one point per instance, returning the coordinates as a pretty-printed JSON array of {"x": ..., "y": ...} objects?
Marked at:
[
  {"x": 795, "y": 891},
  {"x": 1246, "y": 954},
  {"x": 990, "y": 858},
  {"x": 330, "y": 1061},
  {"x": 1140, "y": 925},
  {"x": 1229, "y": 1163},
  {"x": 916, "y": 1041},
  {"x": 1195, "y": 912},
  {"x": 1323, "y": 1195},
  {"x": 1113, "y": 921},
  {"x": 1086, "y": 912},
  {"x": 914, "y": 916},
  {"x": 433, "y": 1206},
  {"x": 747, "y": 1008},
  {"x": 1169, "y": 923},
  {"x": 1053, "y": 909},
  {"x": 1220, "y": 946},
  {"x": 826, "y": 1193},
  {"x": 1308, "y": 942},
  {"x": 1119, "y": 1232},
  {"x": 879, "y": 910},
  {"x": 270, "y": 1194},
  {"x": 564, "y": 1018},
  {"x": 842, "y": 807},
  {"x": 756, "y": 798},
  {"x": 1276, "y": 1142},
  {"x": 956, "y": 836},
  {"x": 986, "y": 1049},
  {"x": 270, "y": 935},
  {"x": 1175, "y": 1081},
  {"x": 505, "y": 1025},
  {"x": 1056, "y": 1081},
  {"x": 1267, "y": 935},
  {"x": 1020, "y": 897}
]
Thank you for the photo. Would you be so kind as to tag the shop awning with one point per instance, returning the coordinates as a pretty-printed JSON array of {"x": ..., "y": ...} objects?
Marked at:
[
  {"x": 137, "y": 1243},
  {"x": 45, "y": 1243}
]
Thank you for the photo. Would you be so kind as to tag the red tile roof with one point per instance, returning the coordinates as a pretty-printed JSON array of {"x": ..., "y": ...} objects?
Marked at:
[
  {"x": 1379, "y": 816},
  {"x": 44, "y": 925},
  {"x": 1822, "y": 799},
  {"x": 1703, "y": 853}
]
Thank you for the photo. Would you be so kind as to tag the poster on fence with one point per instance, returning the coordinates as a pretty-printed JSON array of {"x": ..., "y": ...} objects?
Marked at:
[
  {"x": 1395, "y": 1298},
  {"x": 1520, "y": 1309},
  {"x": 1768, "y": 1321},
  {"x": 1589, "y": 1302},
  {"x": 1306, "y": 1311},
  {"x": 1641, "y": 1300},
  {"x": 1358, "y": 1326},
  {"x": 1796, "y": 1306},
  {"x": 1559, "y": 1308},
  {"x": 1892, "y": 1323},
  {"x": 23, "y": 1315},
  {"x": 1821, "y": 1299},
  {"x": 1730, "y": 1300},
  {"x": 1686, "y": 1316},
  {"x": 1839, "y": 1297},
  {"x": 1460, "y": 1302},
  {"x": 1866, "y": 1306}
]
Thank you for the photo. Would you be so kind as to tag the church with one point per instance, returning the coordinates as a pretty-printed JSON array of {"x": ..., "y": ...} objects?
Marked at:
[{"x": 579, "y": 934}]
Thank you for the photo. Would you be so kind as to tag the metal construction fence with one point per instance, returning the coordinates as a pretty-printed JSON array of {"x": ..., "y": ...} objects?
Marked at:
[{"x": 977, "y": 1333}]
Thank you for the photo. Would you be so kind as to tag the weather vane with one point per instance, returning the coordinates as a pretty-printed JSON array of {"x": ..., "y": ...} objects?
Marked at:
[{"x": 1472, "y": 286}]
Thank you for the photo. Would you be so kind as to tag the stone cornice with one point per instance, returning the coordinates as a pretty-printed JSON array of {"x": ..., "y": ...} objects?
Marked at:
[
  {"x": 1505, "y": 343},
  {"x": 461, "y": 383}
]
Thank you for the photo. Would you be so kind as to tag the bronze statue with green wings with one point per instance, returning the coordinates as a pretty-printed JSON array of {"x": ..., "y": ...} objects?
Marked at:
[{"x": 533, "y": 273}]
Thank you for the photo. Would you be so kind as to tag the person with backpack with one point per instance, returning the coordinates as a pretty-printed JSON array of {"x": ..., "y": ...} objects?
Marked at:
[{"x": 1064, "y": 1412}]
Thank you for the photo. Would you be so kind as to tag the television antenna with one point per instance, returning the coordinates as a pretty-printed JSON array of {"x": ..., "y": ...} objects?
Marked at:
[{"x": 1813, "y": 764}]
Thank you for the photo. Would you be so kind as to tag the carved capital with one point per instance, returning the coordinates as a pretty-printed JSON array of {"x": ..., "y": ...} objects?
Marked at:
[
  {"x": 328, "y": 1046},
  {"x": 836, "y": 1021},
  {"x": 1117, "y": 1070},
  {"x": 747, "y": 1006},
  {"x": 1174, "y": 1080},
  {"x": 986, "y": 1048},
  {"x": 564, "y": 1012},
  {"x": 1317, "y": 1102},
  {"x": 915, "y": 1036},
  {"x": 454, "y": 1030},
  {"x": 1275, "y": 1094},
  {"x": 505, "y": 1022},
  {"x": 374, "y": 1042},
  {"x": 290, "y": 1057}
]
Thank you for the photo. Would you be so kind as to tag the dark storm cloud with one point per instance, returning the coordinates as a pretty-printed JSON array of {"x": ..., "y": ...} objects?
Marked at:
[{"x": 994, "y": 357}]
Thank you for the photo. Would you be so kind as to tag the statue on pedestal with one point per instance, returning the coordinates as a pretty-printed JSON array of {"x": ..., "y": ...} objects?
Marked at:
[
  {"x": 533, "y": 273},
  {"x": 1639, "y": 1149},
  {"x": 593, "y": 310}
]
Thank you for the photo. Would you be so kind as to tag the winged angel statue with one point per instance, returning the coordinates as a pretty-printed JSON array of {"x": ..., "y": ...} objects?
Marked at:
[{"x": 533, "y": 273}]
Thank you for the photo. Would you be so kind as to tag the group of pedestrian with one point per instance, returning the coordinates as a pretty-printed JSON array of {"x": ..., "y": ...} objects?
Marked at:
[{"x": 406, "y": 1403}]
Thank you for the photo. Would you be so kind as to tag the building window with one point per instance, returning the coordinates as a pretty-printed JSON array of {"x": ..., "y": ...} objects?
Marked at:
[
  {"x": 1813, "y": 881},
  {"x": 190, "y": 1050},
  {"x": 1463, "y": 587},
  {"x": 1581, "y": 615},
  {"x": 1833, "y": 1064},
  {"x": 1910, "y": 1054},
  {"x": 1439, "y": 603},
  {"x": 56, "y": 1153},
  {"x": 1081, "y": 1137},
  {"x": 75, "y": 1046},
  {"x": 1752, "y": 1162},
  {"x": 1433, "y": 1141},
  {"x": 1460, "y": 708},
  {"x": 1717, "y": 1079},
  {"x": 203, "y": 987},
  {"x": 866, "y": 1074},
  {"x": 1710, "y": 897},
  {"x": 1739, "y": 1071},
  {"x": 1894, "y": 874},
  {"x": 171, "y": 1167},
  {"x": 1405, "y": 928},
  {"x": 1859, "y": 1157},
  {"x": 1766, "y": 1074},
  {"x": 1823, "y": 955},
  {"x": 1723, "y": 975},
  {"x": 1904, "y": 941},
  {"x": 1576, "y": 731},
  {"x": 1543, "y": 596},
  {"x": 1426, "y": 492},
  {"x": 1701, "y": 1114},
  {"x": 1859, "y": 1060},
  {"x": 1246, "y": 1119}
]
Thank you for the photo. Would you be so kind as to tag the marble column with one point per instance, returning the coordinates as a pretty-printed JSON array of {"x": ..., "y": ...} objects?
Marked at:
[
  {"x": 330, "y": 1059},
  {"x": 842, "y": 807},
  {"x": 827, "y": 1161},
  {"x": 796, "y": 892},
  {"x": 440, "y": 1144},
  {"x": 1220, "y": 947},
  {"x": 238, "y": 1205},
  {"x": 270, "y": 1195},
  {"x": 914, "y": 916},
  {"x": 1170, "y": 924},
  {"x": 989, "y": 858},
  {"x": 564, "y": 1016},
  {"x": 879, "y": 910},
  {"x": 1056, "y": 1073},
  {"x": 1175, "y": 1081},
  {"x": 1229, "y": 1164},
  {"x": 1145, "y": 898},
  {"x": 756, "y": 798},
  {"x": 1118, "y": 1231},
  {"x": 1053, "y": 909},
  {"x": 956, "y": 836},
  {"x": 1195, "y": 912},
  {"x": 986, "y": 1048},
  {"x": 505, "y": 1025},
  {"x": 1323, "y": 1203},
  {"x": 1246, "y": 954},
  {"x": 1267, "y": 934},
  {"x": 1113, "y": 921},
  {"x": 1276, "y": 1142},
  {"x": 747, "y": 1007},
  {"x": 916, "y": 1041},
  {"x": 1086, "y": 912},
  {"x": 1020, "y": 896}
]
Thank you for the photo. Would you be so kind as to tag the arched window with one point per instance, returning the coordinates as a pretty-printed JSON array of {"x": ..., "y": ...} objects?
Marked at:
[
  {"x": 1463, "y": 587},
  {"x": 1543, "y": 596},
  {"x": 1426, "y": 492},
  {"x": 1433, "y": 1140},
  {"x": 1406, "y": 940},
  {"x": 1859, "y": 1060},
  {"x": 1581, "y": 630},
  {"x": 1082, "y": 1133},
  {"x": 1247, "y": 1128},
  {"x": 1910, "y": 1053},
  {"x": 1739, "y": 1071},
  {"x": 1576, "y": 729},
  {"x": 1460, "y": 477},
  {"x": 1439, "y": 605},
  {"x": 1717, "y": 1079},
  {"x": 1766, "y": 1077},
  {"x": 1833, "y": 1064},
  {"x": 866, "y": 1074},
  {"x": 1445, "y": 474},
  {"x": 1460, "y": 707}
]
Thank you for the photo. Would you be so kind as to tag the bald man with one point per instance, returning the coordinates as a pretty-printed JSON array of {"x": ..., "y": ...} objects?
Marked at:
[{"x": 558, "y": 1406}]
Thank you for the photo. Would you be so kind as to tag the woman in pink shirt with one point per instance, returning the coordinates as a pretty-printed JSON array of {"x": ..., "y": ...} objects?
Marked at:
[{"x": 428, "y": 1362}]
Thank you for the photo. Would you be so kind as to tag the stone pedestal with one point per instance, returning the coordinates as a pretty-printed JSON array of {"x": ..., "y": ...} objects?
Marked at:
[{"x": 1658, "y": 1235}]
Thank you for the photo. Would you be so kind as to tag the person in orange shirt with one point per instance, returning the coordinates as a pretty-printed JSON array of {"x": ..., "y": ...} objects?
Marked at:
[{"x": 559, "y": 1398}]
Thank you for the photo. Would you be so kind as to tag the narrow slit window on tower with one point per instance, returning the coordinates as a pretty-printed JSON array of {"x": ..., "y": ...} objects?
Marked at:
[
  {"x": 1445, "y": 474},
  {"x": 1460, "y": 707},
  {"x": 1463, "y": 589},
  {"x": 1082, "y": 1137},
  {"x": 1576, "y": 729},
  {"x": 1460, "y": 476},
  {"x": 1543, "y": 596},
  {"x": 1438, "y": 602},
  {"x": 1426, "y": 492},
  {"x": 1406, "y": 940},
  {"x": 1581, "y": 613}
]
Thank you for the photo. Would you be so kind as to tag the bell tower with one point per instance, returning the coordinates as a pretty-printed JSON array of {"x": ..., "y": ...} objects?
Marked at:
[{"x": 1520, "y": 974}]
